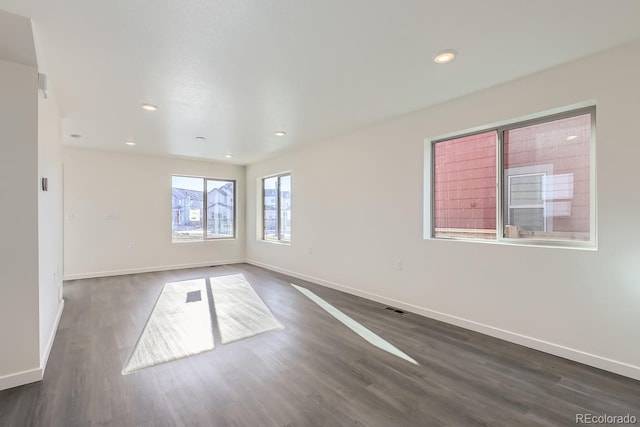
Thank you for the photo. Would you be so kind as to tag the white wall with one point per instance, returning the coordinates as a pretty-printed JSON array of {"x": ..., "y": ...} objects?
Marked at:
[
  {"x": 31, "y": 232},
  {"x": 358, "y": 204},
  {"x": 49, "y": 221},
  {"x": 19, "y": 320},
  {"x": 137, "y": 189}
]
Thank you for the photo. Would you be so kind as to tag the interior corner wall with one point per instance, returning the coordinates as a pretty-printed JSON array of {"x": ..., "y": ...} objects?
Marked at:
[
  {"x": 357, "y": 210},
  {"x": 19, "y": 316},
  {"x": 49, "y": 221},
  {"x": 117, "y": 214}
]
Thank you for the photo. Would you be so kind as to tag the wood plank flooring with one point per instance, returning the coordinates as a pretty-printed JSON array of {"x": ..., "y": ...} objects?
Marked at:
[{"x": 315, "y": 372}]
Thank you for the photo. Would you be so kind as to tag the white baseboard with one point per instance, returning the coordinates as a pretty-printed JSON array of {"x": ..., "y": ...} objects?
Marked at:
[
  {"x": 36, "y": 374},
  {"x": 596, "y": 361},
  {"x": 107, "y": 273},
  {"x": 20, "y": 378},
  {"x": 44, "y": 357}
]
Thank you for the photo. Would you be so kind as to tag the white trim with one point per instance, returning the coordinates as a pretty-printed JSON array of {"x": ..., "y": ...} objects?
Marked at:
[
  {"x": 44, "y": 357},
  {"x": 259, "y": 209},
  {"x": 621, "y": 368},
  {"x": 21, "y": 378},
  {"x": 276, "y": 242},
  {"x": 108, "y": 273},
  {"x": 593, "y": 181},
  {"x": 33, "y": 375},
  {"x": 427, "y": 192}
]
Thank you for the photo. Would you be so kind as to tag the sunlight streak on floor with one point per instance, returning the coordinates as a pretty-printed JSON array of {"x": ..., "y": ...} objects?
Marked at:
[{"x": 355, "y": 326}]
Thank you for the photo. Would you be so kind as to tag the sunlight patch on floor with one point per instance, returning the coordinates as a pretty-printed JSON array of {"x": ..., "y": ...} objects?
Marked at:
[
  {"x": 240, "y": 312},
  {"x": 179, "y": 326},
  {"x": 356, "y": 327}
]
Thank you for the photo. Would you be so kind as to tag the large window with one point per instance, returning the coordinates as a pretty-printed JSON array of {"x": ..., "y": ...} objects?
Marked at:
[
  {"x": 276, "y": 208},
  {"x": 202, "y": 208},
  {"x": 530, "y": 180}
]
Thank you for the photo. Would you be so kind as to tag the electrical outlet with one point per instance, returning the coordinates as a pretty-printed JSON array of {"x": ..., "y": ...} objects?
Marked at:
[
  {"x": 132, "y": 245},
  {"x": 309, "y": 250},
  {"x": 399, "y": 265}
]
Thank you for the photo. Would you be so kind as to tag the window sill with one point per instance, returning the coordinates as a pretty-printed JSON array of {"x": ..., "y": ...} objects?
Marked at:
[
  {"x": 275, "y": 242},
  {"x": 531, "y": 243},
  {"x": 180, "y": 242}
]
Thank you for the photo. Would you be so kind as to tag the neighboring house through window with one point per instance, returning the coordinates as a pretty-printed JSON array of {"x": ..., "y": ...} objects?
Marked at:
[
  {"x": 530, "y": 180},
  {"x": 276, "y": 208},
  {"x": 200, "y": 204}
]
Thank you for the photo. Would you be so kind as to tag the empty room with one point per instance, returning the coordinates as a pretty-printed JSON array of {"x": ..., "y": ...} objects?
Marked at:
[{"x": 279, "y": 213}]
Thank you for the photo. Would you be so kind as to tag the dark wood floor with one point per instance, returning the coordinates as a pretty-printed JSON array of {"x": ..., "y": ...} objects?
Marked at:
[{"x": 315, "y": 372}]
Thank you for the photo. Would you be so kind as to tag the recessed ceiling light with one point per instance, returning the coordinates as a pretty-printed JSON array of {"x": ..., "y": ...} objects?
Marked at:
[
  {"x": 131, "y": 143},
  {"x": 570, "y": 137},
  {"x": 444, "y": 56},
  {"x": 200, "y": 138},
  {"x": 149, "y": 107},
  {"x": 75, "y": 135},
  {"x": 228, "y": 156},
  {"x": 279, "y": 133}
]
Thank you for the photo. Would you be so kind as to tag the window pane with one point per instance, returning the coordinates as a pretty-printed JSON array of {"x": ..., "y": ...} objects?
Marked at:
[
  {"x": 547, "y": 176},
  {"x": 465, "y": 187},
  {"x": 220, "y": 211},
  {"x": 285, "y": 208},
  {"x": 270, "y": 212},
  {"x": 187, "y": 197}
]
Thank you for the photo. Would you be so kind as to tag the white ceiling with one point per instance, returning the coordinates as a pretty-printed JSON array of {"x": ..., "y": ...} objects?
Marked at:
[{"x": 235, "y": 71}]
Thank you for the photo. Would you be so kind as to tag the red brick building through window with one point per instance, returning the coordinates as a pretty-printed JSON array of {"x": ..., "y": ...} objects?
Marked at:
[{"x": 545, "y": 182}]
